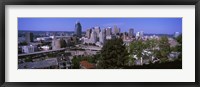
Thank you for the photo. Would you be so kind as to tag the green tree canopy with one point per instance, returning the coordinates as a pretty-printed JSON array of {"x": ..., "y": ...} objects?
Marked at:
[
  {"x": 113, "y": 54},
  {"x": 76, "y": 62},
  {"x": 151, "y": 44},
  {"x": 164, "y": 47},
  {"x": 137, "y": 47},
  {"x": 179, "y": 46},
  {"x": 179, "y": 39}
]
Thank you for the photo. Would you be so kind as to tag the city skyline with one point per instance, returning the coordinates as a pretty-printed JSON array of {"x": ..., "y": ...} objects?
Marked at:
[
  {"x": 153, "y": 43},
  {"x": 147, "y": 25}
]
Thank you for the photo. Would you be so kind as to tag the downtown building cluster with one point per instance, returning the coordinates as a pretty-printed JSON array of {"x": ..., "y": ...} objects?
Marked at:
[
  {"x": 92, "y": 42},
  {"x": 98, "y": 36}
]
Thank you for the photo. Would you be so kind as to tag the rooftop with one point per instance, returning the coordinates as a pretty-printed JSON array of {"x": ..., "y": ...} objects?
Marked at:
[
  {"x": 86, "y": 65},
  {"x": 39, "y": 64}
]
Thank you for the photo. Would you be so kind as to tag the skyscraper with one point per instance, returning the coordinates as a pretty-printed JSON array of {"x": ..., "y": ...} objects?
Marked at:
[
  {"x": 116, "y": 30},
  {"x": 29, "y": 37},
  {"x": 88, "y": 33},
  {"x": 137, "y": 35},
  {"x": 131, "y": 32},
  {"x": 78, "y": 29},
  {"x": 93, "y": 38},
  {"x": 102, "y": 36},
  {"x": 140, "y": 34},
  {"x": 97, "y": 30},
  {"x": 56, "y": 44},
  {"x": 108, "y": 31}
]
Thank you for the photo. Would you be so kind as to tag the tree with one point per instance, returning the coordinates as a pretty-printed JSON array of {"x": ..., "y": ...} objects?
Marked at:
[
  {"x": 164, "y": 48},
  {"x": 151, "y": 44},
  {"x": 130, "y": 60},
  {"x": 179, "y": 39},
  {"x": 76, "y": 62},
  {"x": 137, "y": 47},
  {"x": 90, "y": 59},
  {"x": 157, "y": 53},
  {"x": 113, "y": 54},
  {"x": 179, "y": 46}
]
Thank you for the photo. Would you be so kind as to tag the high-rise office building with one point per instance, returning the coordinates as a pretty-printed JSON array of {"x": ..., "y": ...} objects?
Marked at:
[
  {"x": 108, "y": 31},
  {"x": 140, "y": 34},
  {"x": 88, "y": 33},
  {"x": 97, "y": 30},
  {"x": 116, "y": 30},
  {"x": 93, "y": 38},
  {"x": 29, "y": 37},
  {"x": 137, "y": 35},
  {"x": 78, "y": 29},
  {"x": 102, "y": 36},
  {"x": 56, "y": 44},
  {"x": 131, "y": 32}
]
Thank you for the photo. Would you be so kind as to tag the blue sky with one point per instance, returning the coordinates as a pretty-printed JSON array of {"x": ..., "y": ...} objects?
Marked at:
[{"x": 147, "y": 25}]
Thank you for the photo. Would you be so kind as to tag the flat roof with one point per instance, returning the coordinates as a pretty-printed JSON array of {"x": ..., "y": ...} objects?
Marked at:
[{"x": 39, "y": 64}]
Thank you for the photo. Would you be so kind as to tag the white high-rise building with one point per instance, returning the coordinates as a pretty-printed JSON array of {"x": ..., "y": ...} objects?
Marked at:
[
  {"x": 137, "y": 34},
  {"x": 102, "y": 36},
  {"x": 88, "y": 33},
  {"x": 93, "y": 38},
  {"x": 97, "y": 30},
  {"x": 28, "y": 49}
]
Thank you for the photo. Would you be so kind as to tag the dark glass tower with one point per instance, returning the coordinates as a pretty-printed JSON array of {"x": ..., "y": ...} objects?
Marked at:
[{"x": 78, "y": 29}]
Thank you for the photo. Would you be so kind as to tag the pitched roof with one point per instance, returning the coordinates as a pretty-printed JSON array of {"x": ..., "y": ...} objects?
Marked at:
[{"x": 87, "y": 65}]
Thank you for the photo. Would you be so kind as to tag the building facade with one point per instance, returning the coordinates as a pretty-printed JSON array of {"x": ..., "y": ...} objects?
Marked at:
[
  {"x": 29, "y": 37},
  {"x": 131, "y": 32},
  {"x": 78, "y": 29},
  {"x": 93, "y": 38},
  {"x": 28, "y": 49},
  {"x": 97, "y": 30},
  {"x": 102, "y": 36},
  {"x": 88, "y": 33},
  {"x": 116, "y": 30},
  {"x": 108, "y": 31},
  {"x": 56, "y": 44}
]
